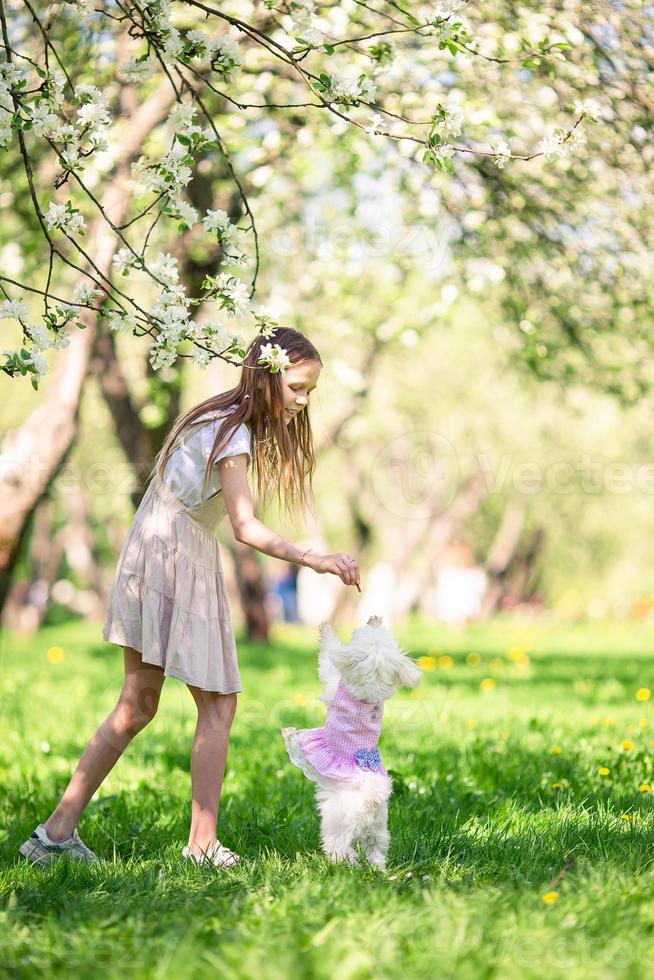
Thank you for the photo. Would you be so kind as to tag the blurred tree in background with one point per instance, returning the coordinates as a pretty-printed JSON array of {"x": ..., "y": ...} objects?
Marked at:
[{"x": 454, "y": 202}]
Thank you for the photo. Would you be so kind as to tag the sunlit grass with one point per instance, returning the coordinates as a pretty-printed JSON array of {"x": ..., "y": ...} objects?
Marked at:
[{"x": 521, "y": 816}]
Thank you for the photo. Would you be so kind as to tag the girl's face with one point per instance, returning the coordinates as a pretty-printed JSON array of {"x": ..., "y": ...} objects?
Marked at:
[{"x": 298, "y": 381}]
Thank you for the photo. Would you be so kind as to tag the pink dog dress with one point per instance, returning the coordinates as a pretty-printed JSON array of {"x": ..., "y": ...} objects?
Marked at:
[{"x": 346, "y": 745}]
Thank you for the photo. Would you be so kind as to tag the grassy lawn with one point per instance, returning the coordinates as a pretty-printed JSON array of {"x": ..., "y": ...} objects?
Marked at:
[{"x": 524, "y": 746}]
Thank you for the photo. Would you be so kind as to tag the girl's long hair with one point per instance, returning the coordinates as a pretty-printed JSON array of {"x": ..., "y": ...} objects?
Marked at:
[{"x": 281, "y": 453}]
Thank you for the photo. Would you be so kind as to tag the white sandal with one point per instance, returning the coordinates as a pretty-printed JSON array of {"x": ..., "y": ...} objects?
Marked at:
[{"x": 217, "y": 854}]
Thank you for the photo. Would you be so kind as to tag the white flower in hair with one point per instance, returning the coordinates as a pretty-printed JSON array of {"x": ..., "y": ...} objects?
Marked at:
[{"x": 275, "y": 357}]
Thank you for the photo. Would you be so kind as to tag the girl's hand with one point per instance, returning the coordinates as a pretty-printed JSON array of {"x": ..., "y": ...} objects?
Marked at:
[{"x": 341, "y": 563}]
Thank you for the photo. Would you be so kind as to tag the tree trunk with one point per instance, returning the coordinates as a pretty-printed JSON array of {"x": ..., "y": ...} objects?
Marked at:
[
  {"x": 501, "y": 554},
  {"x": 33, "y": 454}
]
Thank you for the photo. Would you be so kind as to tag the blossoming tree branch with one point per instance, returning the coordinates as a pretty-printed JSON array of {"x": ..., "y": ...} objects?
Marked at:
[{"x": 105, "y": 222}]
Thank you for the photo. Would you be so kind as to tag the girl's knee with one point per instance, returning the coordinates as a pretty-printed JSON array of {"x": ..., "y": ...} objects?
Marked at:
[
  {"x": 217, "y": 709},
  {"x": 136, "y": 709}
]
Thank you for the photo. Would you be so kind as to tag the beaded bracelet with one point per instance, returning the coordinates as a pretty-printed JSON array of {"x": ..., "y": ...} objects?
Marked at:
[{"x": 305, "y": 553}]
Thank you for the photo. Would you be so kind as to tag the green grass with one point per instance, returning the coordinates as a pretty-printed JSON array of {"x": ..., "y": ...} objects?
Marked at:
[{"x": 496, "y": 785}]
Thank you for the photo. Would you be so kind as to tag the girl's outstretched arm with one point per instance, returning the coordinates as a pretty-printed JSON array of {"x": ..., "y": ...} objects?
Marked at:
[{"x": 249, "y": 530}]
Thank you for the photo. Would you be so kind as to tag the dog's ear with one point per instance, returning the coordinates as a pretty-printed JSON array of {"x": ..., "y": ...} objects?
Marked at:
[{"x": 407, "y": 672}]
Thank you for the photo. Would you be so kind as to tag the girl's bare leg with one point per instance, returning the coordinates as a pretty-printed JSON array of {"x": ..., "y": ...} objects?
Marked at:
[
  {"x": 136, "y": 706},
  {"x": 208, "y": 757}
]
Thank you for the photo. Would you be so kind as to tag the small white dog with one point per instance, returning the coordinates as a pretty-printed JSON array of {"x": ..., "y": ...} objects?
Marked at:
[{"x": 342, "y": 757}]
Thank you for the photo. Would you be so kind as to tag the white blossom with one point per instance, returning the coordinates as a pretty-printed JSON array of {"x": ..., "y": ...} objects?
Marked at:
[
  {"x": 13, "y": 309},
  {"x": 124, "y": 260},
  {"x": 11, "y": 74},
  {"x": 171, "y": 312},
  {"x": 39, "y": 335},
  {"x": 70, "y": 156},
  {"x": 93, "y": 114},
  {"x": 305, "y": 26},
  {"x": 164, "y": 267},
  {"x": 201, "y": 357},
  {"x": 6, "y": 132},
  {"x": 198, "y": 37},
  {"x": 184, "y": 212},
  {"x": 138, "y": 70},
  {"x": 64, "y": 133},
  {"x": 375, "y": 124},
  {"x": 173, "y": 45},
  {"x": 351, "y": 86},
  {"x": 162, "y": 356},
  {"x": 214, "y": 221},
  {"x": 501, "y": 151},
  {"x": 234, "y": 292},
  {"x": 181, "y": 115},
  {"x": 64, "y": 216},
  {"x": 552, "y": 145},
  {"x": 213, "y": 334},
  {"x": 86, "y": 293},
  {"x": 577, "y": 138},
  {"x": 442, "y": 151},
  {"x": 59, "y": 339},
  {"x": 43, "y": 120},
  {"x": 169, "y": 176},
  {"x": 226, "y": 53},
  {"x": 39, "y": 362},
  {"x": 450, "y": 125},
  {"x": 121, "y": 322},
  {"x": 275, "y": 357},
  {"x": 588, "y": 107},
  {"x": 56, "y": 82},
  {"x": 447, "y": 9}
]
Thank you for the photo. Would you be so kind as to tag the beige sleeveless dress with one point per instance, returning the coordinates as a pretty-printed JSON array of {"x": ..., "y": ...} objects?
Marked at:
[{"x": 168, "y": 598}]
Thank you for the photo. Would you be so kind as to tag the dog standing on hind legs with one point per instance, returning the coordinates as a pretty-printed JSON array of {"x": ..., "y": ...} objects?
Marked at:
[{"x": 341, "y": 757}]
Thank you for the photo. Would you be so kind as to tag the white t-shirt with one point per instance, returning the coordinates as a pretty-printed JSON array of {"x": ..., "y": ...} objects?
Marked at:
[{"x": 184, "y": 471}]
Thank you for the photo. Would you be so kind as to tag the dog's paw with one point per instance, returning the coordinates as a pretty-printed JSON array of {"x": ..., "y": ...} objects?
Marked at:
[
  {"x": 376, "y": 860},
  {"x": 325, "y": 629},
  {"x": 348, "y": 857}
]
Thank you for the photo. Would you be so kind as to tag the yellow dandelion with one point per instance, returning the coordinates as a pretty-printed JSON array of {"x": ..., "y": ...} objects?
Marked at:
[
  {"x": 473, "y": 659},
  {"x": 626, "y": 744},
  {"x": 626, "y": 816},
  {"x": 643, "y": 722},
  {"x": 496, "y": 664},
  {"x": 55, "y": 655},
  {"x": 603, "y": 771},
  {"x": 300, "y": 698},
  {"x": 445, "y": 662},
  {"x": 426, "y": 663},
  {"x": 555, "y": 750},
  {"x": 517, "y": 654},
  {"x": 557, "y": 785},
  {"x": 644, "y": 787},
  {"x": 488, "y": 684},
  {"x": 643, "y": 694},
  {"x": 550, "y": 898},
  {"x": 471, "y": 723}
]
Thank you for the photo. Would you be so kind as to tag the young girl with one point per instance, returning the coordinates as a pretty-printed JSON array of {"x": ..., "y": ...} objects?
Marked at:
[{"x": 168, "y": 605}]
